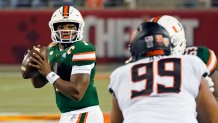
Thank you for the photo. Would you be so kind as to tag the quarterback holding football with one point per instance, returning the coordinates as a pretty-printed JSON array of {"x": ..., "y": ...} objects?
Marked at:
[{"x": 70, "y": 67}]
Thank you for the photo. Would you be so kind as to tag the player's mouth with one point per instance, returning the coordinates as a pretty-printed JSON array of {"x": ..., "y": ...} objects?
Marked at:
[{"x": 65, "y": 36}]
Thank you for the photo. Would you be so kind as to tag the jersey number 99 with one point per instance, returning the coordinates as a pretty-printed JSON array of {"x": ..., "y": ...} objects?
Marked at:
[{"x": 162, "y": 72}]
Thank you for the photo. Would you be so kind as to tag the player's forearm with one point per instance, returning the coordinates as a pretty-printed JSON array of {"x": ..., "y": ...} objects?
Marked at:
[
  {"x": 207, "y": 107},
  {"x": 213, "y": 115},
  {"x": 208, "y": 118},
  {"x": 214, "y": 120},
  {"x": 69, "y": 89},
  {"x": 116, "y": 114},
  {"x": 75, "y": 88}
]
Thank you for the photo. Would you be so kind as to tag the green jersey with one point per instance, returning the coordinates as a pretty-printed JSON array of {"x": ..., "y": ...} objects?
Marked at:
[
  {"x": 80, "y": 53},
  {"x": 206, "y": 55}
]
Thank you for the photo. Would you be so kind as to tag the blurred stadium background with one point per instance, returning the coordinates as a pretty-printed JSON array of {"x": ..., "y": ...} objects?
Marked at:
[{"x": 24, "y": 23}]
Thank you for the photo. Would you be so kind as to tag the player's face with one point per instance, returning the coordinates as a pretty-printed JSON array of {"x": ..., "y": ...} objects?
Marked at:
[{"x": 67, "y": 30}]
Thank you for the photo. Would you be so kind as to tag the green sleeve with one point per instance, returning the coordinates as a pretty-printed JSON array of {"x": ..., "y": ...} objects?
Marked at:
[{"x": 206, "y": 55}]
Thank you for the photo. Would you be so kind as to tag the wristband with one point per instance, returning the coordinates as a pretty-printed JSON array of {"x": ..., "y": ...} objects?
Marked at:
[{"x": 52, "y": 77}]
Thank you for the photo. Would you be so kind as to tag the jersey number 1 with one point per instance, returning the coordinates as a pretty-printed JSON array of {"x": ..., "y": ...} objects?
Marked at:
[{"x": 161, "y": 71}]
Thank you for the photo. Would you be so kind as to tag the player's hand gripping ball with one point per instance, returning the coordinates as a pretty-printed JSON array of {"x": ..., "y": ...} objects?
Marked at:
[{"x": 28, "y": 71}]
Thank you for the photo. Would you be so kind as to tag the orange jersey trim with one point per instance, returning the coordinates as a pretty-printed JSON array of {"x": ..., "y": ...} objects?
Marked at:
[
  {"x": 86, "y": 117},
  {"x": 87, "y": 56},
  {"x": 212, "y": 62},
  {"x": 210, "y": 59},
  {"x": 85, "y": 53},
  {"x": 214, "y": 67},
  {"x": 78, "y": 120},
  {"x": 84, "y": 59}
]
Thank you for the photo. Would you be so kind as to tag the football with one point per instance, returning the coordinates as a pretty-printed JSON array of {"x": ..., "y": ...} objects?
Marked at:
[{"x": 28, "y": 71}]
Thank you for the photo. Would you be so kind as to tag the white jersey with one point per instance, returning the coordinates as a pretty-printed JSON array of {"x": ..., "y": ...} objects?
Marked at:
[{"x": 158, "y": 90}]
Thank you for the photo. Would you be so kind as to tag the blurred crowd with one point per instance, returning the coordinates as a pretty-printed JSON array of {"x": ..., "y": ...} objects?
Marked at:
[
  {"x": 99, "y": 4},
  {"x": 12, "y": 4}
]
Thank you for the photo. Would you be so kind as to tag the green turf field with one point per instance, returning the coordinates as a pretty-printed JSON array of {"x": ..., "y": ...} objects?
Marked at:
[{"x": 17, "y": 96}]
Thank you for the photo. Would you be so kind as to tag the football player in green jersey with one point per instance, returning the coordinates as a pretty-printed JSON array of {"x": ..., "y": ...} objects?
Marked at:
[{"x": 70, "y": 68}]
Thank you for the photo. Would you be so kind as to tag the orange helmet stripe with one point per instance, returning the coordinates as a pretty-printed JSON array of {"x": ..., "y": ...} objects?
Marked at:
[
  {"x": 156, "y": 18},
  {"x": 66, "y": 11}
]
